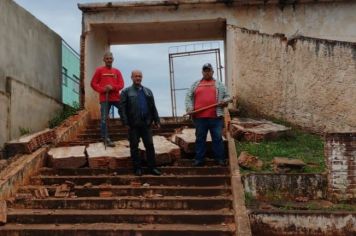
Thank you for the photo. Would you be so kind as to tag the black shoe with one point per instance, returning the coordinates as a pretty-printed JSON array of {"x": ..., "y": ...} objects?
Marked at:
[
  {"x": 221, "y": 162},
  {"x": 138, "y": 172},
  {"x": 155, "y": 171},
  {"x": 198, "y": 163}
]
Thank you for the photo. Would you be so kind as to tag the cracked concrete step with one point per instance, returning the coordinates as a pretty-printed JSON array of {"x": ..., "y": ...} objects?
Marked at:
[
  {"x": 111, "y": 229},
  {"x": 125, "y": 130},
  {"x": 184, "y": 162},
  {"x": 60, "y": 216},
  {"x": 128, "y": 190},
  {"x": 169, "y": 170},
  {"x": 139, "y": 202},
  {"x": 181, "y": 180},
  {"x": 114, "y": 136},
  {"x": 115, "y": 122}
]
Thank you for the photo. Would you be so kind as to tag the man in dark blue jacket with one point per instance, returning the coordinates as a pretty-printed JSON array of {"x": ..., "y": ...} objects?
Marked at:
[{"x": 138, "y": 112}]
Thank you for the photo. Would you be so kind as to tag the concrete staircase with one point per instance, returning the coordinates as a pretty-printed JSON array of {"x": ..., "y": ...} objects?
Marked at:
[{"x": 184, "y": 200}]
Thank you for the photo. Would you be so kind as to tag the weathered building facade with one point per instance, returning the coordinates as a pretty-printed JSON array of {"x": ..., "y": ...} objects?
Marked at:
[{"x": 294, "y": 62}]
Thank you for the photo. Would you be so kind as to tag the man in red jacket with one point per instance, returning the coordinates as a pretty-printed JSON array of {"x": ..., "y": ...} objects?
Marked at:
[{"x": 107, "y": 79}]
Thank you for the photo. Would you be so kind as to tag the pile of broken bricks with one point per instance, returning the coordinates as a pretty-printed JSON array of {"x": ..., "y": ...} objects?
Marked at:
[{"x": 279, "y": 164}]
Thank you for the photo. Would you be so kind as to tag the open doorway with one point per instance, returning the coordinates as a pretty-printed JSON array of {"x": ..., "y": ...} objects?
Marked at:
[{"x": 153, "y": 61}]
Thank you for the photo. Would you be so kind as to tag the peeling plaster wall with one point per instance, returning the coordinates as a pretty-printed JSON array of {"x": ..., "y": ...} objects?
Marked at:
[
  {"x": 259, "y": 186},
  {"x": 302, "y": 223},
  {"x": 31, "y": 54},
  {"x": 308, "y": 82},
  {"x": 311, "y": 86}
]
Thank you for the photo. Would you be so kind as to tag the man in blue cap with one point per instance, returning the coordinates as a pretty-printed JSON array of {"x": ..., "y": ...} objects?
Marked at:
[{"x": 206, "y": 92}]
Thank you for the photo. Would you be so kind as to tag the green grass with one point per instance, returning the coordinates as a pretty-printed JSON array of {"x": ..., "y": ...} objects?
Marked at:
[{"x": 299, "y": 145}]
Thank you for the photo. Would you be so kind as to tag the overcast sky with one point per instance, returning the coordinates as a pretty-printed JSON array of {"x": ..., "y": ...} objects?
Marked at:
[{"x": 64, "y": 18}]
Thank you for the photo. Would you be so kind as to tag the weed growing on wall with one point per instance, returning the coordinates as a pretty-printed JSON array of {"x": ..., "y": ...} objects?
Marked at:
[
  {"x": 64, "y": 114},
  {"x": 24, "y": 131}
]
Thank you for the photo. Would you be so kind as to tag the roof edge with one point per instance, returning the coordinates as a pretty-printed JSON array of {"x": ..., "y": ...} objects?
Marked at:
[{"x": 167, "y": 3}]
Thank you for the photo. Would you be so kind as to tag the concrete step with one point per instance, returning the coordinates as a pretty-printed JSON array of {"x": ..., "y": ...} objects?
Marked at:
[
  {"x": 133, "y": 216},
  {"x": 127, "y": 202},
  {"x": 120, "y": 129},
  {"x": 168, "y": 170},
  {"x": 181, "y": 180},
  {"x": 114, "y": 229},
  {"x": 116, "y": 122},
  {"x": 117, "y": 136},
  {"x": 128, "y": 190}
]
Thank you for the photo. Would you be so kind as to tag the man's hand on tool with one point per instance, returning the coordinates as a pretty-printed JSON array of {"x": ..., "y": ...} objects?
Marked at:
[{"x": 108, "y": 88}]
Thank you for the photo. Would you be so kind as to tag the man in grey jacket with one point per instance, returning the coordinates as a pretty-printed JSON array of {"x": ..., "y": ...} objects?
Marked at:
[{"x": 138, "y": 112}]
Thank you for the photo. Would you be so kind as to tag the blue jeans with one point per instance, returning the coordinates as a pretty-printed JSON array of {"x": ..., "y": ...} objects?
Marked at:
[
  {"x": 104, "y": 116},
  {"x": 215, "y": 126}
]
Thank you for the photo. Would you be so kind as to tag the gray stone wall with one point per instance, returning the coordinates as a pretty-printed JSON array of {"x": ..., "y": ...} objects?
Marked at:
[{"x": 308, "y": 82}]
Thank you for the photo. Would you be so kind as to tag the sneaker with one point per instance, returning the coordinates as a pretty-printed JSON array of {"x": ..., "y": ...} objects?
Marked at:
[
  {"x": 198, "y": 163},
  {"x": 155, "y": 171}
]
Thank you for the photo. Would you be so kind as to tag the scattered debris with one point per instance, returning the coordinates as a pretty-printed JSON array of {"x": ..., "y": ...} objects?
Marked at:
[
  {"x": 72, "y": 195},
  {"x": 135, "y": 184},
  {"x": 265, "y": 206},
  {"x": 285, "y": 165},
  {"x": 105, "y": 194},
  {"x": 248, "y": 161},
  {"x": 88, "y": 185},
  {"x": 3, "y": 212},
  {"x": 23, "y": 196},
  {"x": 41, "y": 193},
  {"x": 105, "y": 186},
  {"x": 146, "y": 185},
  {"x": 63, "y": 190},
  {"x": 301, "y": 199}
]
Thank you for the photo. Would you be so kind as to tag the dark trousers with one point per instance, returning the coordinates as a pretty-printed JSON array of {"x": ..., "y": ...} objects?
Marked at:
[
  {"x": 144, "y": 132},
  {"x": 104, "y": 115}
]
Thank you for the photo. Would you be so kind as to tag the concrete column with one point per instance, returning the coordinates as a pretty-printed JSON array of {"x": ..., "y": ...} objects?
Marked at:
[
  {"x": 231, "y": 60},
  {"x": 96, "y": 43}
]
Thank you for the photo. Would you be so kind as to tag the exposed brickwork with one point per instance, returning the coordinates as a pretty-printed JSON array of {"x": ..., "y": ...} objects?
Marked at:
[
  {"x": 70, "y": 128},
  {"x": 340, "y": 151},
  {"x": 30, "y": 143}
]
